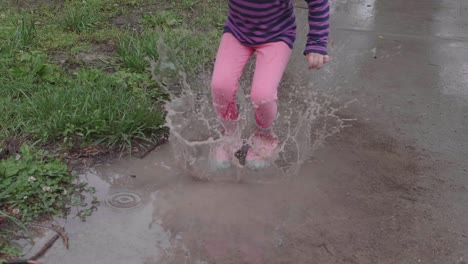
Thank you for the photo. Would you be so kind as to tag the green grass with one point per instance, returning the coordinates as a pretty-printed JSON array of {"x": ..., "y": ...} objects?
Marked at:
[
  {"x": 48, "y": 96},
  {"x": 96, "y": 106},
  {"x": 54, "y": 102}
]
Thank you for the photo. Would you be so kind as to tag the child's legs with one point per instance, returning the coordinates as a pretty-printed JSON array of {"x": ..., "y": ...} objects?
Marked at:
[
  {"x": 230, "y": 61},
  {"x": 272, "y": 59}
]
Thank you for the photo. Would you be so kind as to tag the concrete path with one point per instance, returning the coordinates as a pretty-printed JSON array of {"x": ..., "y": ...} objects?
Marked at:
[{"x": 390, "y": 188}]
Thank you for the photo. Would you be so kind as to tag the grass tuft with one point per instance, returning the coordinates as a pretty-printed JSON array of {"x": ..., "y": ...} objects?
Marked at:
[
  {"x": 25, "y": 33},
  {"x": 80, "y": 16},
  {"x": 134, "y": 47}
]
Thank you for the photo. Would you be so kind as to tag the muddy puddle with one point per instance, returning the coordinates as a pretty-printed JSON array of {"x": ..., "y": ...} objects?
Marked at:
[
  {"x": 359, "y": 199},
  {"x": 339, "y": 191}
]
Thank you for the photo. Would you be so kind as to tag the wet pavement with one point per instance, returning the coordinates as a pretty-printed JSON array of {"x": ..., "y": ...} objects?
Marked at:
[{"x": 389, "y": 186}]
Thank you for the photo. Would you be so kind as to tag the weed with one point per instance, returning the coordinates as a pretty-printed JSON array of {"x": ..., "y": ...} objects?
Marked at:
[
  {"x": 32, "y": 185},
  {"x": 164, "y": 20},
  {"x": 80, "y": 16},
  {"x": 140, "y": 84},
  {"x": 54, "y": 38},
  {"x": 25, "y": 33},
  {"x": 134, "y": 47},
  {"x": 33, "y": 66}
]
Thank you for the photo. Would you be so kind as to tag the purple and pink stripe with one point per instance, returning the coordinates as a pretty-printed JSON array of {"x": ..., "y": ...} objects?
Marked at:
[{"x": 256, "y": 22}]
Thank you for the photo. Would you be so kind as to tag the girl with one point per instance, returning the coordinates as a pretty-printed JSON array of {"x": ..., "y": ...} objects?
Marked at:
[{"x": 267, "y": 28}]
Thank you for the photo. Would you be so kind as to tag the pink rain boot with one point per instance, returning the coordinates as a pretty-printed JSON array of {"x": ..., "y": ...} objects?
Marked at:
[
  {"x": 263, "y": 147},
  {"x": 223, "y": 151}
]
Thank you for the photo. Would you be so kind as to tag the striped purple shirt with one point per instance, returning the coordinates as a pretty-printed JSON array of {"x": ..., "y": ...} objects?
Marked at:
[{"x": 255, "y": 22}]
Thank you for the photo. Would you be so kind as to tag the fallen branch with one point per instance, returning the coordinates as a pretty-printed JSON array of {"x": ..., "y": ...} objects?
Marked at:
[
  {"x": 22, "y": 262},
  {"x": 57, "y": 230},
  {"x": 44, "y": 248},
  {"x": 33, "y": 260}
]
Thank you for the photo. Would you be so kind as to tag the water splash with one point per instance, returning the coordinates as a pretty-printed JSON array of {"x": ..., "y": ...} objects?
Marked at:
[{"x": 306, "y": 119}]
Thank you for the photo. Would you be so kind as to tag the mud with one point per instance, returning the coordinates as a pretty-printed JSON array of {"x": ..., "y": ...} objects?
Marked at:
[
  {"x": 365, "y": 205},
  {"x": 130, "y": 21}
]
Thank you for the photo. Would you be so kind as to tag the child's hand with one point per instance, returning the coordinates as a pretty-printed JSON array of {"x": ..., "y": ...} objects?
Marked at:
[{"x": 316, "y": 61}]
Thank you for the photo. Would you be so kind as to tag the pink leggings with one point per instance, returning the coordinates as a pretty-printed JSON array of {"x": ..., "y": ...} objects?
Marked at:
[{"x": 272, "y": 59}]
